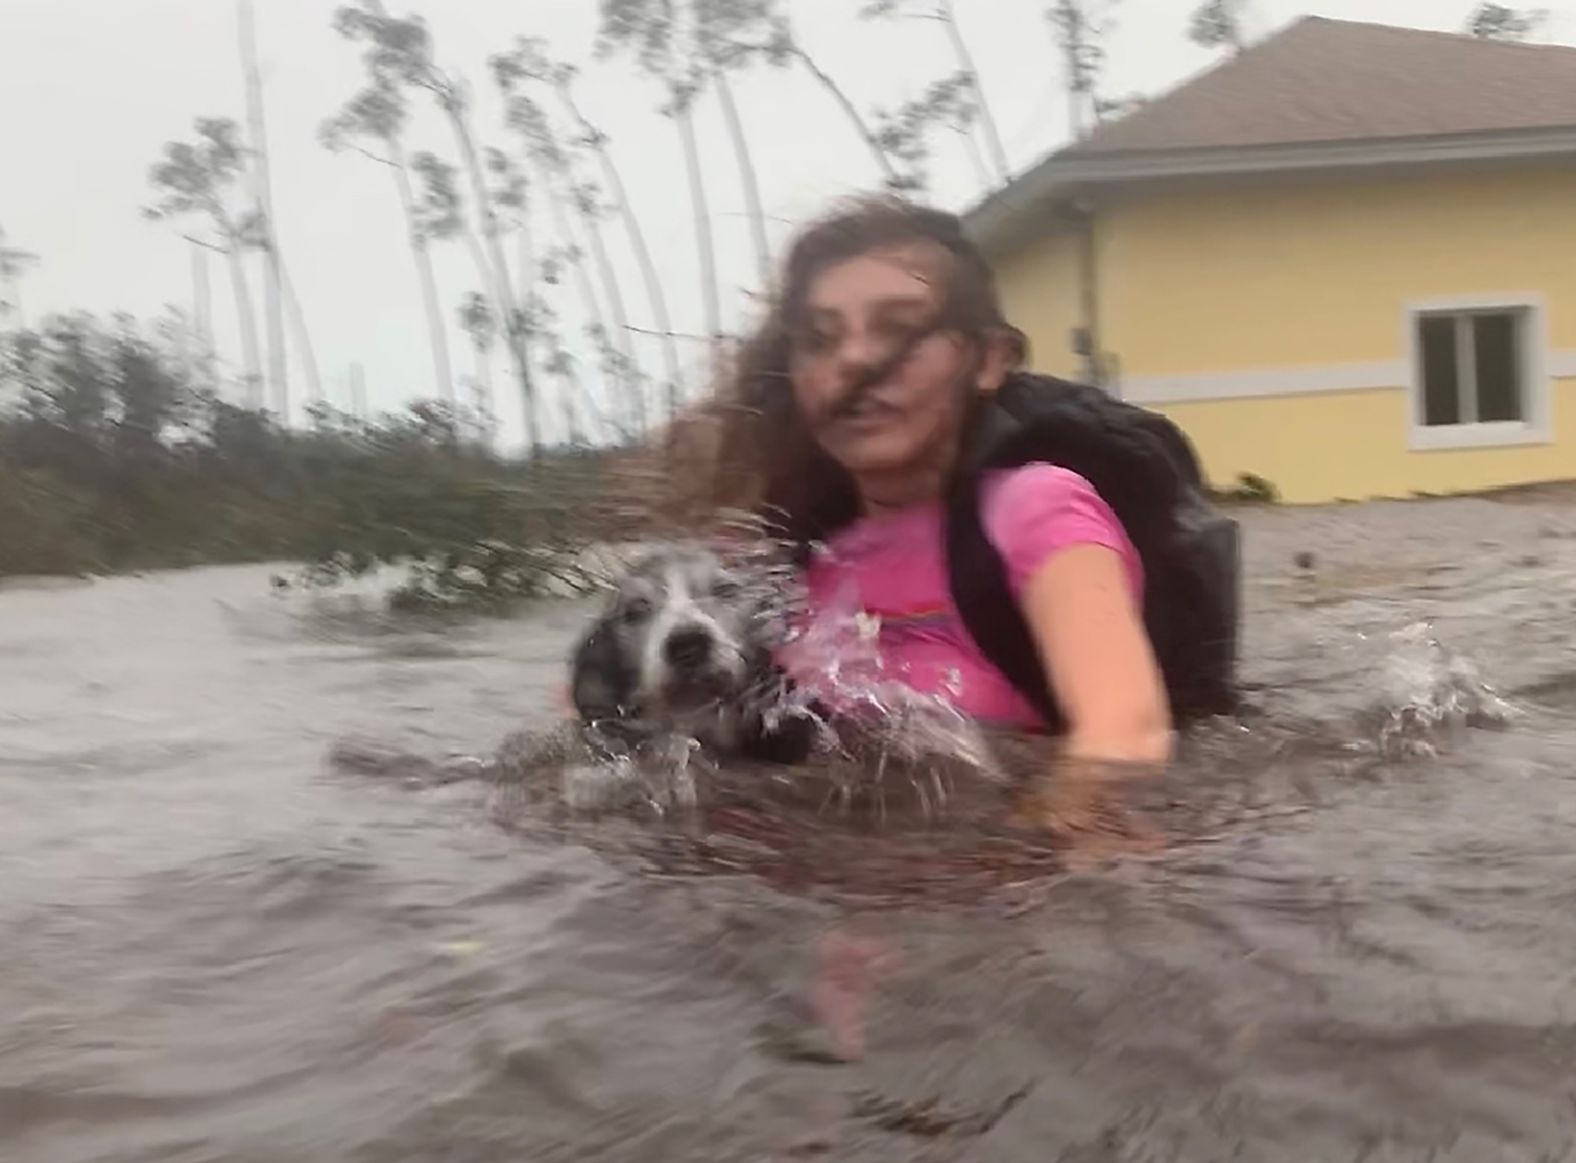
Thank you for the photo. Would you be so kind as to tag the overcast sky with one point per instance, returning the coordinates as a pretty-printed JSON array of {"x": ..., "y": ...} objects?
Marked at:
[{"x": 91, "y": 89}]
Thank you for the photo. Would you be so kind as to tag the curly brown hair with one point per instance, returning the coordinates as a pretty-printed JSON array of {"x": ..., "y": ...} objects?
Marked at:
[{"x": 747, "y": 448}]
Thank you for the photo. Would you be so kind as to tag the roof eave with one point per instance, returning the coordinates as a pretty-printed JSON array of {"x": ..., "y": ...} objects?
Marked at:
[{"x": 999, "y": 216}]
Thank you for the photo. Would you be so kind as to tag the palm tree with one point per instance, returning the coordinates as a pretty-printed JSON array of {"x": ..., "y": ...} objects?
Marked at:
[
  {"x": 194, "y": 178},
  {"x": 783, "y": 47},
  {"x": 402, "y": 50},
  {"x": 561, "y": 366},
  {"x": 1217, "y": 24},
  {"x": 440, "y": 208},
  {"x": 1501, "y": 22},
  {"x": 755, "y": 211},
  {"x": 556, "y": 178},
  {"x": 267, "y": 232},
  {"x": 904, "y": 133},
  {"x": 945, "y": 13},
  {"x": 652, "y": 30},
  {"x": 314, "y": 380},
  {"x": 378, "y": 115},
  {"x": 728, "y": 36},
  {"x": 476, "y": 317},
  {"x": 529, "y": 61},
  {"x": 1080, "y": 28},
  {"x": 512, "y": 195}
]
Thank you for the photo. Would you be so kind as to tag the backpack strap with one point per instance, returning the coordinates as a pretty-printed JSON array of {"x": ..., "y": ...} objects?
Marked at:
[
  {"x": 1145, "y": 469},
  {"x": 977, "y": 577}
]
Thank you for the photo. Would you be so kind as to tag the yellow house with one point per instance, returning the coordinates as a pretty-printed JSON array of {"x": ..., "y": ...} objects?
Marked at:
[{"x": 1344, "y": 261}]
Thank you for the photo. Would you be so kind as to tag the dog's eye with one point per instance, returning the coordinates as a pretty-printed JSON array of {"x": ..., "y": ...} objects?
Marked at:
[
  {"x": 635, "y": 610},
  {"x": 726, "y": 588}
]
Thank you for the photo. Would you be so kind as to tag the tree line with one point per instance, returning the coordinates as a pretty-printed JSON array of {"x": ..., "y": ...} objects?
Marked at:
[{"x": 120, "y": 456}]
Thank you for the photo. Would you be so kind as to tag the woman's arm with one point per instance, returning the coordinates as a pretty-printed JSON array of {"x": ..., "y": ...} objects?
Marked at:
[
  {"x": 1078, "y": 580},
  {"x": 1097, "y": 657},
  {"x": 1085, "y": 620}
]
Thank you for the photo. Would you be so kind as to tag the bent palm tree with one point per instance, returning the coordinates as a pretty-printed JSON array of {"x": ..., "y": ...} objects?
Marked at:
[{"x": 378, "y": 114}]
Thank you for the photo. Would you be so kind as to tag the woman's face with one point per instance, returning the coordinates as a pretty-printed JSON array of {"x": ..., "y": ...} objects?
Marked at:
[{"x": 857, "y": 315}]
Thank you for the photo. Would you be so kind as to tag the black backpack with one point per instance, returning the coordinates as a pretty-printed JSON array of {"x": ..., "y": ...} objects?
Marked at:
[{"x": 1146, "y": 470}]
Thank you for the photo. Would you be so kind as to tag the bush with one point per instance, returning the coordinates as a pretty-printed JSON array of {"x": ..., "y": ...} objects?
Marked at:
[
  {"x": 1250, "y": 489},
  {"x": 117, "y": 459}
]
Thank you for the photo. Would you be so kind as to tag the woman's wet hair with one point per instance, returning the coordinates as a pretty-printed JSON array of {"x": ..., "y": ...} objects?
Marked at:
[{"x": 754, "y": 450}]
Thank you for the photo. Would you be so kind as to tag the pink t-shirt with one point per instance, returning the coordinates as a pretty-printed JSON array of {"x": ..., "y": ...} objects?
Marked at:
[{"x": 893, "y": 569}]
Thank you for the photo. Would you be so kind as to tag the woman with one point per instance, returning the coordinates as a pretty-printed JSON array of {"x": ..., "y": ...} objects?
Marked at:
[{"x": 849, "y": 413}]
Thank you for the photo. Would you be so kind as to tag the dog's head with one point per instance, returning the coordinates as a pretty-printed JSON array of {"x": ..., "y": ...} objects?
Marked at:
[{"x": 683, "y": 636}]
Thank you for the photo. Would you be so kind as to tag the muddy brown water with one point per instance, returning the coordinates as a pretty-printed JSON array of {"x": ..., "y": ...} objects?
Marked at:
[{"x": 218, "y": 947}]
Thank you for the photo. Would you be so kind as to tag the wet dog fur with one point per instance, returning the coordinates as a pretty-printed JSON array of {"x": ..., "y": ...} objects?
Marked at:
[{"x": 683, "y": 646}]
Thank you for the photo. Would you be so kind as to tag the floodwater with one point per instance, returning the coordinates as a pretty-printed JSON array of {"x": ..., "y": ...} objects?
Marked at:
[{"x": 218, "y": 946}]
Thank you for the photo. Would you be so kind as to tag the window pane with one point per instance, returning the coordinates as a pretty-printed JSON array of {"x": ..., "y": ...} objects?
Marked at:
[
  {"x": 1441, "y": 404},
  {"x": 1498, "y": 367}
]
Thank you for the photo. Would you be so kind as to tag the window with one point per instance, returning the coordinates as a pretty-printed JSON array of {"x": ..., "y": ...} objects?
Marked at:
[{"x": 1478, "y": 375}]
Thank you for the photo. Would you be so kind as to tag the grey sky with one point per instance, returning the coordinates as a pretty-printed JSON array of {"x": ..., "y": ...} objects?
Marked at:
[{"x": 91, "y": 89}]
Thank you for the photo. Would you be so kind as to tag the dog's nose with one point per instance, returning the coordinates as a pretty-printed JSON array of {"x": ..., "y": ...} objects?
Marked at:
[{"x": 687, "y": 648}]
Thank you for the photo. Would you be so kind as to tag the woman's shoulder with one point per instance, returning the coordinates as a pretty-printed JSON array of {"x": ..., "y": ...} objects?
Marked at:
[
  {"x": 1038, "y": 484},
  {"x": 1037, "y": 509}
]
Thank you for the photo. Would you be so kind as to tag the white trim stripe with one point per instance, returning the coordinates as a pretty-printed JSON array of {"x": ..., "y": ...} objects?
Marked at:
[
  {"x": 1305, "y": 380},
  {"x": 1265, "y": 381}
]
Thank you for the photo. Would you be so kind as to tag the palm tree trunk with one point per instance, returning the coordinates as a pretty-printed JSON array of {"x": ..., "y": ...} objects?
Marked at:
[
  {"x": 303, "y": 337},
  {"x": 202, "y": 303},
  {"x": 949, "y": 17},
  {"x": 747, "y": 178},
  {"x": 572, "y": 422},
  {"x": 247, "y": 322},
  {"x": 637, "y": 238},
  {"x": 525, "y": 288},
  {"x": 622, "y": 340},
  {"x": 589, "y": 303},
  {"x": 503, "y": 292},
  {"x": 486, "y": 400},
  {"x": 442, "y": 367},
  {"x": 278, "y": 374},
  {"x": 483, "y": 386},
  {"x": 684, "y": 117},
  {"x": 530, "y": 318},
  {"x": 851, "y": 110}
]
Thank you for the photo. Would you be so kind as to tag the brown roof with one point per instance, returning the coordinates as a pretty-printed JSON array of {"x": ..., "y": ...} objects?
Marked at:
[{"x": 1323, "y": 80}]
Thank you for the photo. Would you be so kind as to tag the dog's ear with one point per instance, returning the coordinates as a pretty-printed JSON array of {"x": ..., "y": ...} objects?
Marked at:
[{"x": 602, "y": 680}]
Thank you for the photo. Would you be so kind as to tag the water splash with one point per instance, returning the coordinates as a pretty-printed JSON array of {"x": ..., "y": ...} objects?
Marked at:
[
  {"x": 1429, "y": 693},
  {"x": 887, "y": 748},
  {"x": 887, "y": 734}
]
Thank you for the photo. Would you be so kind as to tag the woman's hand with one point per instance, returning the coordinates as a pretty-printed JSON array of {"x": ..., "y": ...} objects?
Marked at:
[{"x": 1080, "y": 801}]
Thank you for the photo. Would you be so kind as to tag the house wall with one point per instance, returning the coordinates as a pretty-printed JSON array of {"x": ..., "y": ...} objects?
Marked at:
[
  {"x": 1040, "y": 290},
  {"x": 1270, "y": 319}
]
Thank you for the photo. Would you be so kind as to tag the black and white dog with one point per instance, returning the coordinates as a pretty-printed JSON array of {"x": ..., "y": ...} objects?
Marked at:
[
  {"x": 684, "y": 646},
  {"x": 681, "y": 654}
]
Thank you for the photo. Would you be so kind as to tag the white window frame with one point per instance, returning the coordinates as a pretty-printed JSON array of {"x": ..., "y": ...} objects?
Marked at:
[{"x": 1536, "y": 427}]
